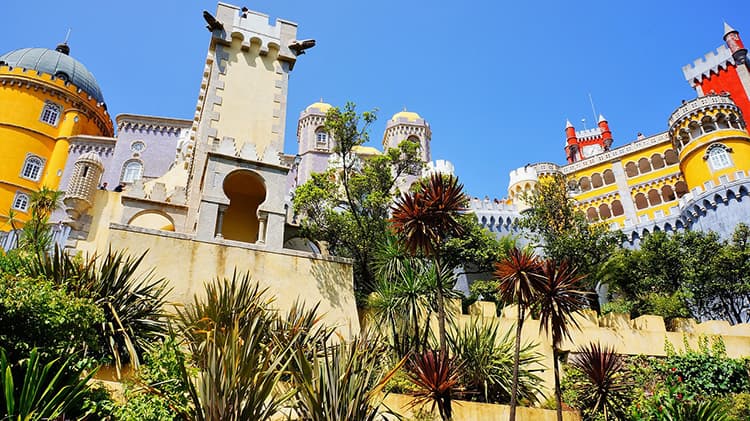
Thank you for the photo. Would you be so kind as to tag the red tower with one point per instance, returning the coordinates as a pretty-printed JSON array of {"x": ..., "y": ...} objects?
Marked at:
[
  {"x": 587, "y": 143},
  {"x": 724, "y": 71}
]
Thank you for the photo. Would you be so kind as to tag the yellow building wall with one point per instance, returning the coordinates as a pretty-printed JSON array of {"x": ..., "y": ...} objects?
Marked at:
[
  {"x": 247, "y": 101},
  {"x": 23, "y": 133},
  {"x": 697, "y": 170}
]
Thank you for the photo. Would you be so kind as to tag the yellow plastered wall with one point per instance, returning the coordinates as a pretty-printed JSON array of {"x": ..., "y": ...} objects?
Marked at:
[
  {"x": 248, "y": 99},
  {"x": 23, "y": 133},
  {"x": 698, "y": 171}
]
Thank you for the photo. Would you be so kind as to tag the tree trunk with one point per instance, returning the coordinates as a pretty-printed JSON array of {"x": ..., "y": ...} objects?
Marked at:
[
  {"x": 516, "y": 352},
  {"x": 441, "y": 329},
  {"x": 558, "y": 393}
]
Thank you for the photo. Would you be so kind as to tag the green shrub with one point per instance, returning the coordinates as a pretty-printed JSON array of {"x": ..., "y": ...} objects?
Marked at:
[
  {"x": 158, "y": 392},
  {"x": 38, "y": 313},
  {"x": 740, "y": 406},
  {"x": 708, "y": 371}
]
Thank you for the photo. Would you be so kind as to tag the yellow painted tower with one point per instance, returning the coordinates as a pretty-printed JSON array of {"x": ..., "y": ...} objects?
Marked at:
[{"x": 46, "y": 97}]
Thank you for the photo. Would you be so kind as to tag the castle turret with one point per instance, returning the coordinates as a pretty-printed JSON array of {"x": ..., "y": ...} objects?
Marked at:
[
  {"x": 606, "y": 132},
  {"x": 314, "y": 144},
  {"x": 711, "y": 140},
  {"x": 84, "y": 182},
  {"x": 571, "y": 142},
  {"x": 734, "y": 42},
  {"x": 723, "y": 71},
  {"x": 408, "y": 125}
]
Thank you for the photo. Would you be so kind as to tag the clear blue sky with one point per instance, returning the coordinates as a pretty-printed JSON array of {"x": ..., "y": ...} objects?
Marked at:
[{"x": 495, "y": 79}]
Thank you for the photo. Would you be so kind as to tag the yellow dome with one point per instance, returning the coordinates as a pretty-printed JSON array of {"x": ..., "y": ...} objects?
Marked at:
[
  {"x": 366, "y": 150},
  {"x": 321, "y": 106},
  {"x": 408, "y": 115}
]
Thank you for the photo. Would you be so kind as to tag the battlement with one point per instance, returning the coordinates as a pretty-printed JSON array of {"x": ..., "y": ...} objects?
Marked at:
[
  {"x": 148, "y": 123},
  {"x": 477, "y": 204},
  {"x": 700, "y": 104},
  {"x": 523, "y": 174},
  {"x": 589, "y": 134},
  {"x": 253, "y": 27},
  {"x": 711, "y": 62},
  {"x": 441, "y": 166}
]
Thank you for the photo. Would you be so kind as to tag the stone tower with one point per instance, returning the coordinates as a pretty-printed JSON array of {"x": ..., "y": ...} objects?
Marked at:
[
  {"x": 725, "y": 70},
  {"x": 407, "y": 125},
  {"x": 236, "y": 181},
  {"x": 315, "y": 146},
  {"x": 84, "y": 182}
]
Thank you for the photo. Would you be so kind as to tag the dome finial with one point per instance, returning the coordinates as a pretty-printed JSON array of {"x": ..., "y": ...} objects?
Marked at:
[{"x": 63, "y": 47}]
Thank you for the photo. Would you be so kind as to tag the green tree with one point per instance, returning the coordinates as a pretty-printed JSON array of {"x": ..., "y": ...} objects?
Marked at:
[
  {"x": 553, "y": 220},
  {"x": 348, "y": 206},
  {"x": 686, "y": 274}
]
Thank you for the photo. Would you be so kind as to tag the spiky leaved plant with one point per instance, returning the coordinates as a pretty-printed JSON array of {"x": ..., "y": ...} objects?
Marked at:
[
  {"x": 40, "y": 390},
  {"x": 604, "y": 389},
  {"x": 424, "y": 219},
  {"x": 520, "y": 282},
  {"x": 558, "y": 301},
  {"x": 487, "y": 361},
  {"x": 435, "y": 376}
]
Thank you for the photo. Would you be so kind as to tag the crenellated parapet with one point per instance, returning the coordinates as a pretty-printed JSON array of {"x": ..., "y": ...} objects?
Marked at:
[{"x": 712, "y": 62}]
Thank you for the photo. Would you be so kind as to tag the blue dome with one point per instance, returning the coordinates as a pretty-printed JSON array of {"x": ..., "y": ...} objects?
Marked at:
[{"x": 57, "y": 64}]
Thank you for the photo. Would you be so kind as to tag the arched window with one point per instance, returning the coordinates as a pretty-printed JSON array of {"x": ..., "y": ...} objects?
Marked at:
[
  {"x": 667, "y": 193},
  {"x": 644, "y": 165},
  {"x": 604, "y": 211},
  {"x": 721, "y": 121},
  {"x": 21, "y": 202},
  {"x": 609, "y": 177},
  {"x": 596, "y": 180},
  {"x": 657, "y": 161},
  {"x": 670, "y": 156},
  {"x": 708, "y": 124},
  {"x": 631, "y": 169},
  {"x": 681, "y": 188},
  {"x": 591, "y": 214},
  {"x": 50, "y": 113},
  {"x": 653, "y": 197},
  {"x": 718, "y": 157},
  {"x": 585, "y": 184},
  {"x": 32, "y": 168},
  {"x": 321, "y": 138},
  {"x": 695, "y": 130},
  {"x": 617, "y": 209},
  {"x": 132, "y": 171},
  {"x": 640, "y": 201}
]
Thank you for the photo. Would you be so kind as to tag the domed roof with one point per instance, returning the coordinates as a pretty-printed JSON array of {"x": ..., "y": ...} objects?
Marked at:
[
  {"x": 365, "y": 150},
  {"x": 320, "y": 105},
  {"x": 91, "y": 157},
  {"x": 57, "y": 64},
  {"x": 408, "y": 115}
]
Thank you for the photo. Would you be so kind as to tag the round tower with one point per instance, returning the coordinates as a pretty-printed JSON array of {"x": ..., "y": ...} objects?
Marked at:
[
  {"x": 522, "y": 182},
  {"x": 711, "y": 139},
  {"x": 87, "y": 171},
  {"x": 571, "y": 142},
  {"x": 46, "y": 97},
  {"x": 314, "y": 144},
  {"x": 408, "y": 125}
]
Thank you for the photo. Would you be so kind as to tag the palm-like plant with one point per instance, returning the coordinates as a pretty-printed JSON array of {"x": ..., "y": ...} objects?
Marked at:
[
  {"x": 41, "y": 391},
  {"x": 558, "y": 301},
  {"x": 604, "y": 390},
  {"x": 435, "y": 376},
  {"x": 520, "y": 282},
  {"x": 423, "y": 219},
  {"x": 401, "y": 303},
  {"x": 230, "y": 332},
  {"x": 487, "y": 363},
  {"x": 133, "y": 304},
  {"x": 707, "y": 410},
  {"x": 344, "y": 383}
]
